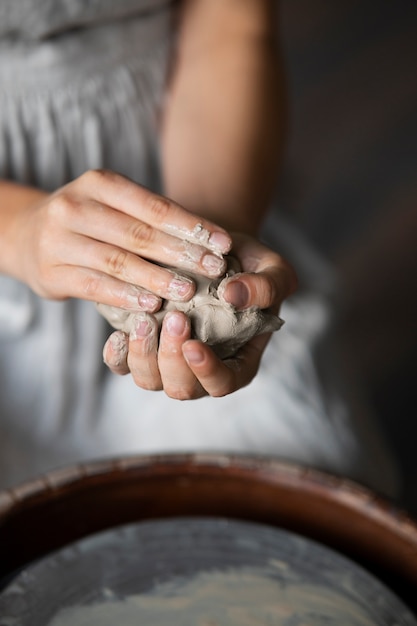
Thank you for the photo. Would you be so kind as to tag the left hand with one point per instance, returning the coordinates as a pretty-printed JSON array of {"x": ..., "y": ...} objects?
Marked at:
[{"x": 186, "y": 368}]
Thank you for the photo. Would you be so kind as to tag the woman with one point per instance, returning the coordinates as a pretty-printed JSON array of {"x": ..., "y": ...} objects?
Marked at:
[{"x": 185, "y": 100}]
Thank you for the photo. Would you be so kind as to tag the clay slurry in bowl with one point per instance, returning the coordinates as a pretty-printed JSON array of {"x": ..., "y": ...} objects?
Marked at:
[
  {"x": 213, "y": 320},
  {"x": 241, "y": 597},
  {"x": 199, "y": 572}
]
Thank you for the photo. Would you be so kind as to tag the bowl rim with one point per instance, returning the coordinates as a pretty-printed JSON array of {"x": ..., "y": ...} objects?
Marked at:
[{"x": 337, "y": 512}]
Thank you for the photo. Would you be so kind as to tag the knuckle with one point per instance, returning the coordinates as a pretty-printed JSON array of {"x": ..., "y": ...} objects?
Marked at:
[
  {"x": 90, "y": 286},
  {"x": 160, "y": 207},
  {"x": 178, "y": 394},
  {"x": 220, "y": 392},
  {"x": 96, "y": 176},
  {"x": 117, "y": 262},
  {"x": 146, "y": 383},
  {"x": 141, "y": 234},
  {"x": 187, "y": 391},
  {"x": 62, "y": 207}
]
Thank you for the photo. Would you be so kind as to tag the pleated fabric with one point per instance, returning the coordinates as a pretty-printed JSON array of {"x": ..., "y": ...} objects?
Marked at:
[{"x": 81, "y": 87}]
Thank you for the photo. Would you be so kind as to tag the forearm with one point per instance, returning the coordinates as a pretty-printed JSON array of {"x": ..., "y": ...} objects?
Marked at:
[{"x": 223, "y": 125}]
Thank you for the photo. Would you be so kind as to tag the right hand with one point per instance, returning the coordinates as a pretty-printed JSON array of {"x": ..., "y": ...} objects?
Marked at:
[{"x": 101, "y": 238}]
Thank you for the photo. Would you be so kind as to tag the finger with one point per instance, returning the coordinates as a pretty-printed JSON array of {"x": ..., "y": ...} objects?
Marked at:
[
  {"x": 253, "y": 255},
  {"x": 178, "y": 380},
  {"x": 115, "y": 353},
  {"x": 126, "y": 196},
  {"x": 98, "y": 222},
  {"x": 128, "y": 268},
  {"x": 267, "y": 281},
  {"x": 262, "y": 290},
  {"x": 80, "y": 282},
  {"x": 143, "y": 352},
  {"x": 220, "y": 378}
]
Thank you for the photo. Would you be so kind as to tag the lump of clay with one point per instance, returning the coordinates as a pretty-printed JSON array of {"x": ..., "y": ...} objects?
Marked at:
[{"x": 213, "y": 320}]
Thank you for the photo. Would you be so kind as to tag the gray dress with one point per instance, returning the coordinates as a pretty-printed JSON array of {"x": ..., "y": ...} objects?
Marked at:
[{"x": 80, "y": 87}]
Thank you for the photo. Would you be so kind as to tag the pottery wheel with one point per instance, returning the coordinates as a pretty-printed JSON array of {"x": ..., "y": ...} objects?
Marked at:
[{"x": 199, "y": 572}]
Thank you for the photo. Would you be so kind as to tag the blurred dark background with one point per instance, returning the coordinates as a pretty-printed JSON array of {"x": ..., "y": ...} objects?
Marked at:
[{"x": 350, "y": 180}]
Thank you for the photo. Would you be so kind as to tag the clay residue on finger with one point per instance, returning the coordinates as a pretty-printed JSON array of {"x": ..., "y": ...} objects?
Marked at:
[
  {"x": 193, "y": 256},
  {"x": 213, "y": 320},
  {"x": 118, "y": 342},
  {"x": 199, "y": 235}
]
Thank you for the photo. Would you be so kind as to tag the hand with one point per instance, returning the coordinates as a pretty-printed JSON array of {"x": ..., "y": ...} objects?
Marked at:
[
  {"x": 187, "y": 369},
  {"x": 101, "y": 238}
]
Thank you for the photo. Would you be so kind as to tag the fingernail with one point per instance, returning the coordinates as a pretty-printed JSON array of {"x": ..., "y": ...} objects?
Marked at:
[
  {"x": 149, "y": 302},
  {"x": 142, "y": 328},
  {"x": 180, "y": 289},
  {"x": 220, "y": 242},
  {"x": 213, "y": 264},
  {"x": 193, "y": 355},
  {"x": 237, "y": 294},
  {"x": 175, "y": 324},
  {"x": 118, "y": 341}
]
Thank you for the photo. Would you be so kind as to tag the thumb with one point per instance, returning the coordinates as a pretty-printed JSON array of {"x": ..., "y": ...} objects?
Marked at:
[{"x": 266, "y": 289}]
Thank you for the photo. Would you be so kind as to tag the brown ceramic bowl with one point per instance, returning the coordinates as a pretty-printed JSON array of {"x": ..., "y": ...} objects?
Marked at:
[{"x": 72, "y": 503}]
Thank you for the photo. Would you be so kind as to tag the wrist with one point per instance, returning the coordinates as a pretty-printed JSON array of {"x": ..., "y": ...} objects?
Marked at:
[{"x": 15, "y": 202}]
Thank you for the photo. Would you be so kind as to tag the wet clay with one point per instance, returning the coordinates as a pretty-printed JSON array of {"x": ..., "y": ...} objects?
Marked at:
[
  {"x": 245, "y": 597},
  {"x": 213, "y": 320}
]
